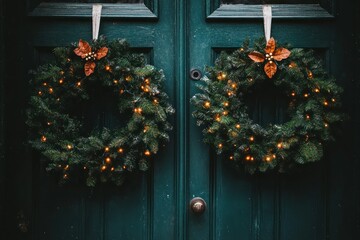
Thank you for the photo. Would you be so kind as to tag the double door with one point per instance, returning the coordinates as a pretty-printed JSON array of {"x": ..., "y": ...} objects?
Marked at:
[{"x": 176, "y": 36}]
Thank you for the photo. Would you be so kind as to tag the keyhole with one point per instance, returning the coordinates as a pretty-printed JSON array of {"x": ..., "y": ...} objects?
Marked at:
[{"x": 195, "y": 74}]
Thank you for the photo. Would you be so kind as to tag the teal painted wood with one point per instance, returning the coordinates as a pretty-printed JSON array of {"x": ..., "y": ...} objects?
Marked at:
[
  {"x": 84, "y": 10},
  {"x": 181, "y": 140},
  {"x": 280, "y": 11},
  {"x": 270, "y": 206},
  {"x": 320, "y": 203},
  {"x": 145, "y": 207}
]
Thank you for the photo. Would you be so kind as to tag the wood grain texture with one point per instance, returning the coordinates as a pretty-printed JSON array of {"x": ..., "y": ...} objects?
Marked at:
[
  {"x": 320, "y": 203},
  {"x": 281, "y": 11},
  {"x": 83, "y": 10}
]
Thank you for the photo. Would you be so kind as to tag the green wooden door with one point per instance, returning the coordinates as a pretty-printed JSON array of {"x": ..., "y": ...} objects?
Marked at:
[
  {"x": 267, "y": 206},
  {"x": 320, "y": 203},
  {"x": 146, "y": 205}
]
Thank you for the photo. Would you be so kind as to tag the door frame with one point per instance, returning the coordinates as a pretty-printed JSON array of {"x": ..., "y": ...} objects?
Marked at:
[{"x": 181, "y": 134}]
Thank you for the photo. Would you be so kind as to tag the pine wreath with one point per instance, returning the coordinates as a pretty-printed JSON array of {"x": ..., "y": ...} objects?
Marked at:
[
  {"x": 313, "y": 107},
  {"x": 64, "y": 93}
]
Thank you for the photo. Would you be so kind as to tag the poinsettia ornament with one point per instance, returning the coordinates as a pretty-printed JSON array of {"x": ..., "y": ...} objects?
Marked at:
[
  {"x": 84, "y": 51},
  {"x": 271, "y": 55}
]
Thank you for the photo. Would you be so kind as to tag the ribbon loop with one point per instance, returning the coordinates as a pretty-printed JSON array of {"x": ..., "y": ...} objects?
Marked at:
[
  {"x": 96, "y": 15},
  {"x": 267, "y": 13}
]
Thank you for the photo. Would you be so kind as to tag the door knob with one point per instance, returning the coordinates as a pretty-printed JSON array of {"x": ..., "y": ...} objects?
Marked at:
[{"x": 198, "y": 205}]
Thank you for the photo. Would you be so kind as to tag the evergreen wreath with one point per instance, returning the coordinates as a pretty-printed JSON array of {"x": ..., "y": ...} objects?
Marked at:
[
  {"x": 299, "y": 76},
  {"x": 63, "y": 95}
]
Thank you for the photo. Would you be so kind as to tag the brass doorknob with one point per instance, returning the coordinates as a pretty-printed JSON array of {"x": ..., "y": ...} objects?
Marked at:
[{"x": 198, "y": 205}]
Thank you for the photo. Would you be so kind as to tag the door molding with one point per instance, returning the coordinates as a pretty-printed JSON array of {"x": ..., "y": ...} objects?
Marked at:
[
  {"x": 146, "y": 10},
  {"x": 216, "y": 10}
]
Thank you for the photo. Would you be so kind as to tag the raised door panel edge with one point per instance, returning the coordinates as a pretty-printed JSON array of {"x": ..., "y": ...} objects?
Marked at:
[
  {"x": 215, "y": 11},
  {"x": 147, "y": 10}
]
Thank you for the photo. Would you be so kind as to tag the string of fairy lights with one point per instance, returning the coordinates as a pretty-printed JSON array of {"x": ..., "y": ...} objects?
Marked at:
[
  {"x": 221, "y": 109},
  {"x": 135, "y": 88}
]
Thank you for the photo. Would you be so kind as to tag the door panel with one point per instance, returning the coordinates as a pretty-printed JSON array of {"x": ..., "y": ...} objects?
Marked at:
[
  {"x": 266, "y": 206},
  {"x": 55, "y": 212}
]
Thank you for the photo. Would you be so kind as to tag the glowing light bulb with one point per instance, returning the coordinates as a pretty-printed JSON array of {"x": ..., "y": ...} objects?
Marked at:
[
  {"x": 145, "y": 88},
  {"x": 146, "y": 128},
  {"x": 248, "y": 157},
  {"x": 108, "y": 160},
  {"x": 293, "y": 94},
  {"x": 230, "y": 93},
  {"x": 147, "y": 153},
  {"x": 120, "y": 150},
  {"x": 279, "y": 145},
  {"x": 207, "y": 104},
  {"x": 238, "y": 126},
  {"x": 231, "y": 157},
  {"x": 107, "y": 68},
  {"x": 310, "y": 74},
  {"x": 61, "y": 81},
  {"x": 103, "y": 168},
  {"x": 220, "y": 145},
  {"x": 217, "y": 118},
  {"x": 138, "y": 110},
  {"x": 69, "y": 146},
  {"x": 293, "y": 64},
  {"x": 226, "y": 104},
  {"x": 107, "y": 149},
  {"x": 221, "y": 76},
  {"x": 251, "y": 138},
  {"x": 43, "y": 139},
  {"x": 268, "y": 158}
]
